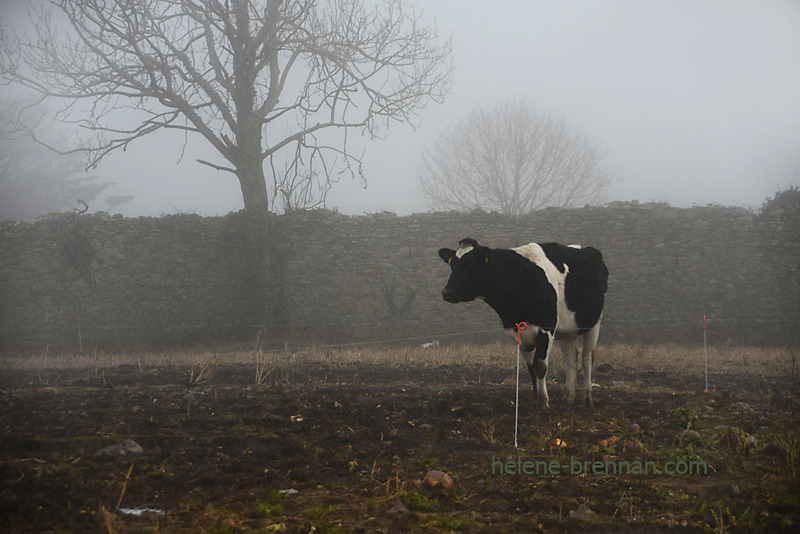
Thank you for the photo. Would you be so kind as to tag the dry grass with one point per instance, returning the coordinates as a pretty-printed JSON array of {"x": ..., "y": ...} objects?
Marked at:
[
  {"x": 679, "y": 359},
  {"x": 673, "y": 360}
]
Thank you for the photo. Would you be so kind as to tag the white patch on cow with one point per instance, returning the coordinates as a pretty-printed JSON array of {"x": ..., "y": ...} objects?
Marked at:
[
  {"x": 463, "y": 249},
  {"x": 566, "y": 325},
  {"x": 575, "y": 246}
]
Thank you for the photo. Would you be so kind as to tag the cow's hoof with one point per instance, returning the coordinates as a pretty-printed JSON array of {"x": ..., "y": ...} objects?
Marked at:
[{"x": 540, "y": 368}]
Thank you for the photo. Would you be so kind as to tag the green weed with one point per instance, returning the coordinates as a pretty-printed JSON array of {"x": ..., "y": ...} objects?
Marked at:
[
  {"x": 684, "y": 418},
  {"x": 417, "y": 502}
]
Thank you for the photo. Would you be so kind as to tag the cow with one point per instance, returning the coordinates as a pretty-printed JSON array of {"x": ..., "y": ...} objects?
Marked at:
[{"x": 557, "y": 290}]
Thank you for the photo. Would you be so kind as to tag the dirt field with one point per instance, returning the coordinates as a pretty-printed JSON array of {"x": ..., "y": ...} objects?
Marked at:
[{"x": 351, "y": 440}]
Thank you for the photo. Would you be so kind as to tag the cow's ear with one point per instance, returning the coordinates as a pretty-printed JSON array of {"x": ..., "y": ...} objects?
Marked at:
[{"x": 446, "y": 254}]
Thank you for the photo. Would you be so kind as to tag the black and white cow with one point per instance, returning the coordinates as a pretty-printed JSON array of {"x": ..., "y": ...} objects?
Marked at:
[{"x": 557, "y": 290}]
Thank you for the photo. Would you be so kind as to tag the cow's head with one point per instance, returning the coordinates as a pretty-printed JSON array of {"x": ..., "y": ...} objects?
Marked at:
[{"x": 469, "y": 271}]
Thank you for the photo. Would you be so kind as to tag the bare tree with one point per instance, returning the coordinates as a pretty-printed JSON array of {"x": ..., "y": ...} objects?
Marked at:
[
  {"x": 36, "y": 181},
  {"x": 254, "y": 78},
  {"x": 511, "y": 159}
]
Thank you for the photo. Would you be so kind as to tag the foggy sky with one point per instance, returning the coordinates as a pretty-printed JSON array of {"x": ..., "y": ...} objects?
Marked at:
[{"x": 695, "y": 102}]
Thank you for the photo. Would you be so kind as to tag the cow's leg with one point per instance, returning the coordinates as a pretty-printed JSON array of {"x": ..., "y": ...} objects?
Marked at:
[
  {"x": 537, "y": 365},
  {"x": 589, "y": 343},
  {"x": 528, "y": 356},
  {"x": 569, "y": 349}
]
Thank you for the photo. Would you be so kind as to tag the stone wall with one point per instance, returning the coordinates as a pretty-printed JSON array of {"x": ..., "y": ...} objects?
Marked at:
[
  {"x": 179, "y": 280},
  {"x": 128, "y": 283}
]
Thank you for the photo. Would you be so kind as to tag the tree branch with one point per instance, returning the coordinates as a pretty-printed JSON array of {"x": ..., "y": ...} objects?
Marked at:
[
  {"x": 252, "y": 78},
  {"x": 513, "y": 160}
]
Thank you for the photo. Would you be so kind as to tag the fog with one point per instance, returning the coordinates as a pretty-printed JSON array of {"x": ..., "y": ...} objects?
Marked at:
[{"x": 695, "y": 102}]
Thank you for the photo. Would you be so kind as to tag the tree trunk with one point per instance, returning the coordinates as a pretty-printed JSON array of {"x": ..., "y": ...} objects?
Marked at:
[
  {"x": 250, "y": 172},
  {"x": 263, "y": 275},
  {"x": 252, "y": 183}
]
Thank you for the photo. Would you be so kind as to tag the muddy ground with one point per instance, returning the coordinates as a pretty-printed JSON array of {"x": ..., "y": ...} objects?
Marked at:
[{"x": 329, "y": 447}]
